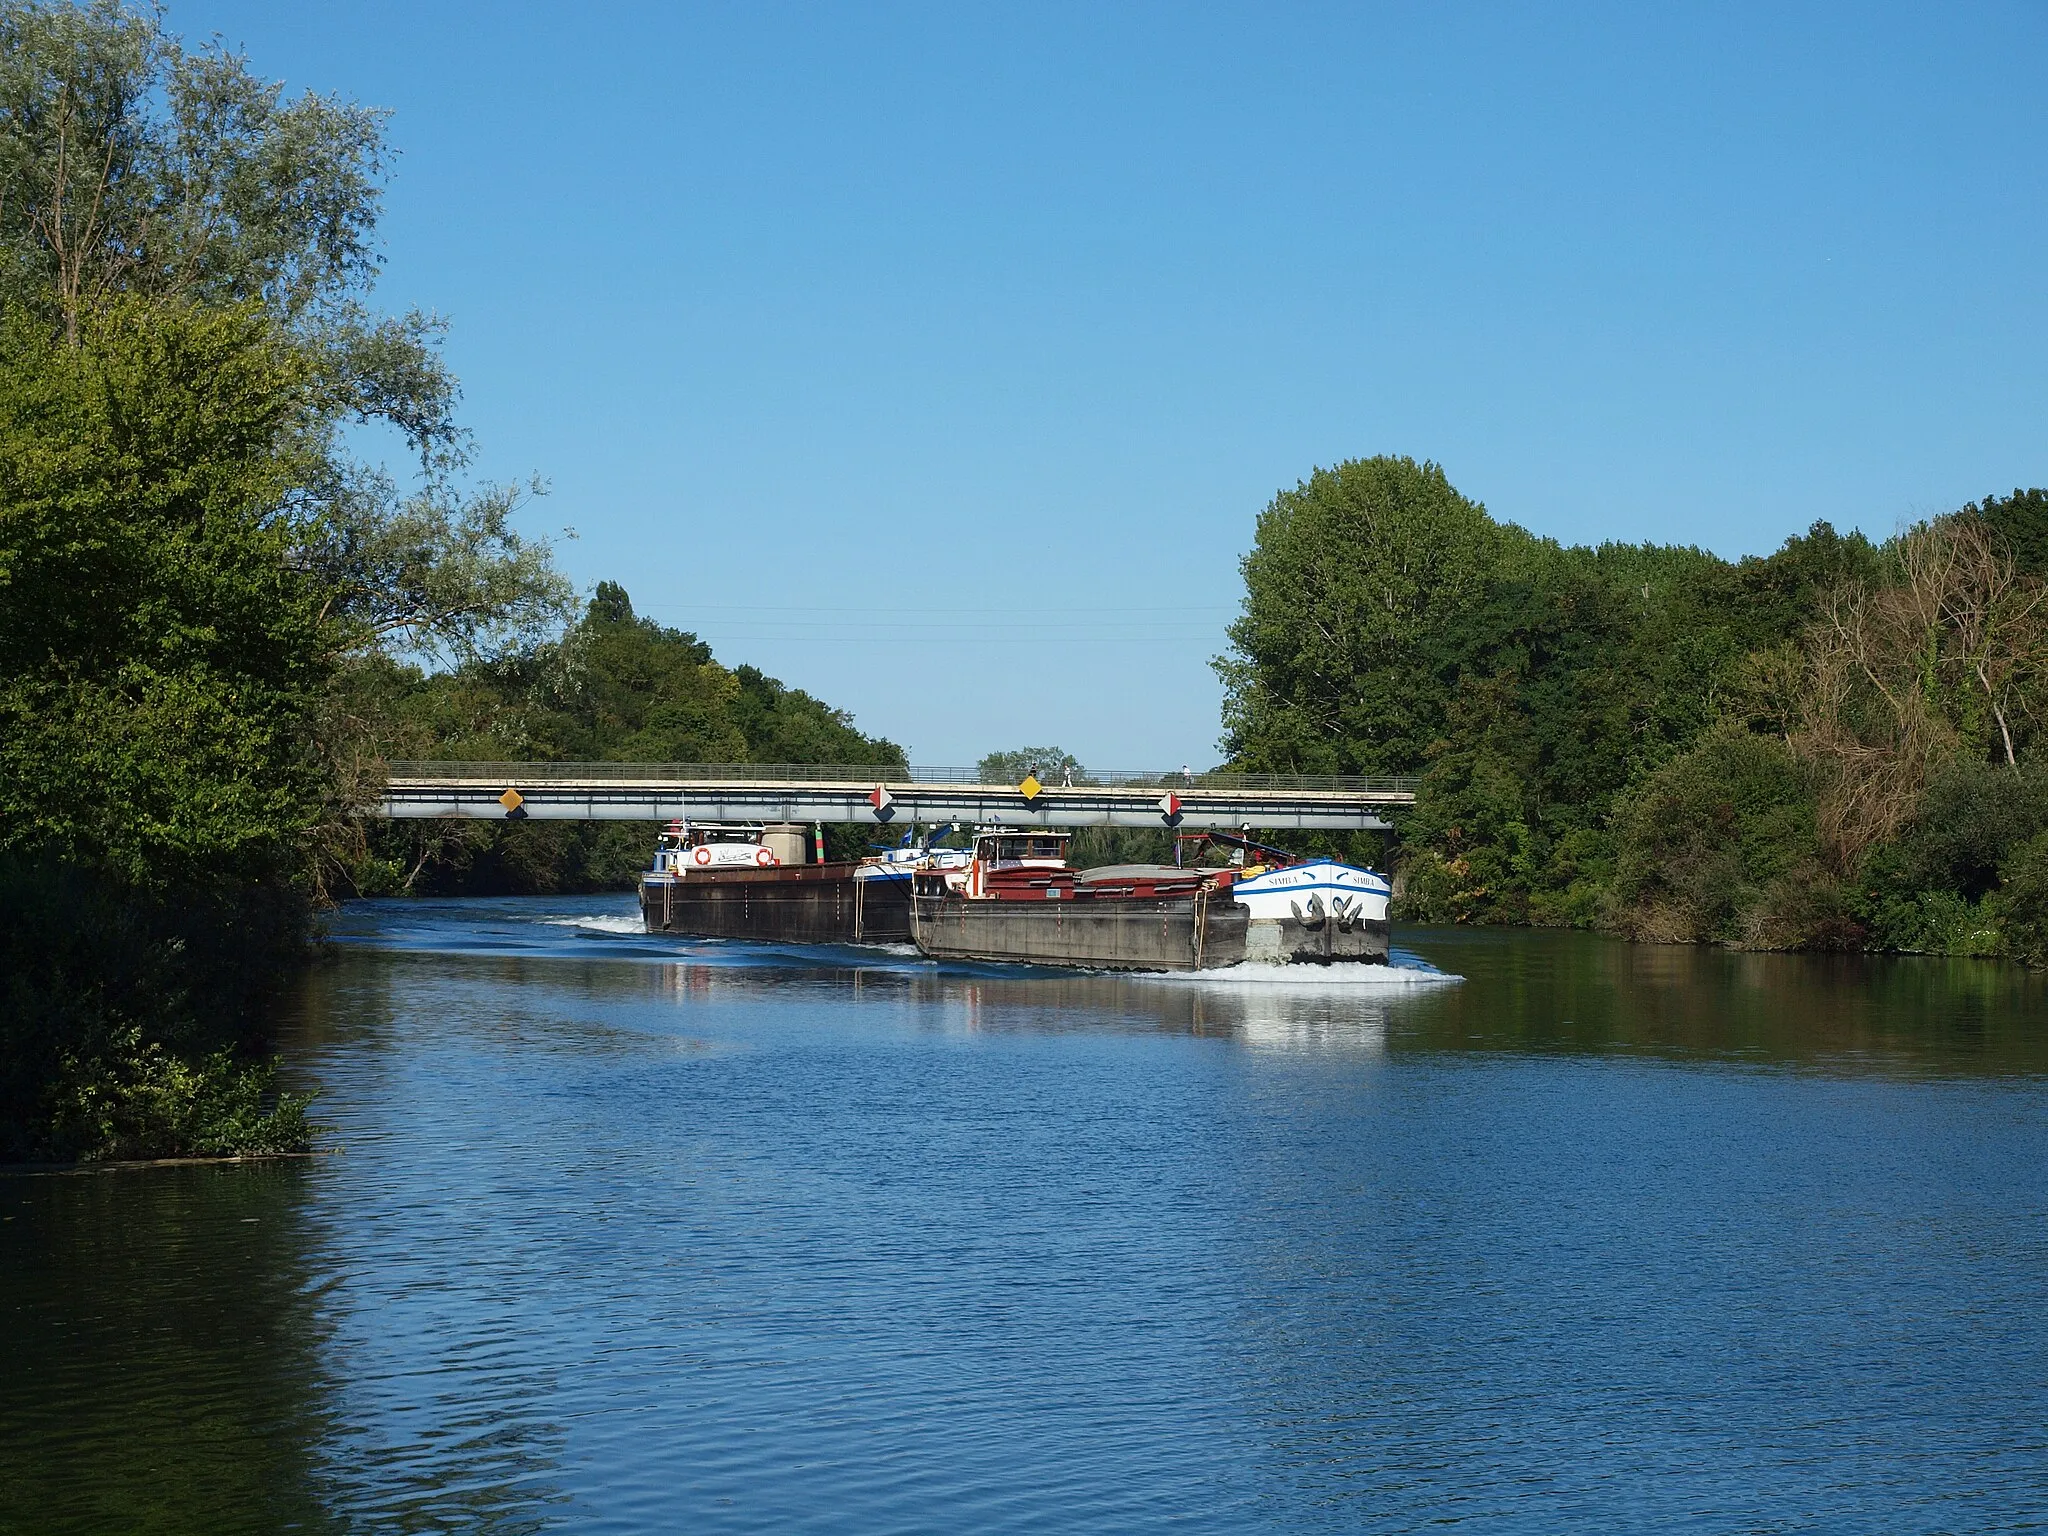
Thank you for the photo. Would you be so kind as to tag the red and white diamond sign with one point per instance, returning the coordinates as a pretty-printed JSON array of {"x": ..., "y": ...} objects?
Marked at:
[
  {"x": 883, "y": 802},
  {"x": 1169, "y": 805}
]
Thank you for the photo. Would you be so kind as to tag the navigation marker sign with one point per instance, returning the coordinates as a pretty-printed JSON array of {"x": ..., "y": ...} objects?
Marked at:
[
  {"x": 883, "y": 802},
  {"x": 1030, "y": 787},
  {"x": 1169, "y": 807},
  {"x": 512, "y": 800}
]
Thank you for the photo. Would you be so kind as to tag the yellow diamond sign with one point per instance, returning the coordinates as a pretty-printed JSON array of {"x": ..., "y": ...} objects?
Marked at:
[
  {"x": 511, "y": 799},
  {"x": 1030, "y": 787}
]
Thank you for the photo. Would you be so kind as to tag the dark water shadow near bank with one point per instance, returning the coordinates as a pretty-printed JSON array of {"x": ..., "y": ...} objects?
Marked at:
[{"x": 163, "y": 1353}]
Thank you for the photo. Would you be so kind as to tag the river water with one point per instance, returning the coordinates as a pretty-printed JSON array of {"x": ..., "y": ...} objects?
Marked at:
[{"x": 623, "y": 1234}]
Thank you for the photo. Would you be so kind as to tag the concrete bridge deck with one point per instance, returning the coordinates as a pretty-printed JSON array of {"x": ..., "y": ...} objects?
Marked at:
[{"x": 729, "y": 792}]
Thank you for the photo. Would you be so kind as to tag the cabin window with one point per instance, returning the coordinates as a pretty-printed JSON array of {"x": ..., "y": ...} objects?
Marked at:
[{"x": 1006, "y": 848}]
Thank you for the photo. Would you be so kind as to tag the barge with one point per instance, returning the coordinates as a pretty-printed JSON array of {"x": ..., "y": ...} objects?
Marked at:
[
  {"x": 1017, "y": 900},
  {"x": 754, "y": 881}
]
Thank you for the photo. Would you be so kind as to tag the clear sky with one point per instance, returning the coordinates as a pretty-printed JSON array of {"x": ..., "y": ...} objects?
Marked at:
[{"x": 938, "y": 359}]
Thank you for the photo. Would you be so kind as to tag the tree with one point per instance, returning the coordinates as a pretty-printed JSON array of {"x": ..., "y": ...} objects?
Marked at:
[
  {"x": 1903, "y": 674},
  {"x": 2019, "y": 524},
  {"x": 194, "y": 574},
  {"x": 130, "y": 165},
  {"x": 154, "y": 634},
  {"x": 161, "y": 660},
  {"x": 1720, "y": 844},
  {"x": 1352, "y": 577}
]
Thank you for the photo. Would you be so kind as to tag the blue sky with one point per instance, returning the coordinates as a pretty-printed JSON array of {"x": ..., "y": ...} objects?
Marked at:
[{"x": 938, "y": 359}]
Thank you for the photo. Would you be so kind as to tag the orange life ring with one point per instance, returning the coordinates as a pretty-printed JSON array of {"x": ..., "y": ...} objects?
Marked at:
[
  {"x": 702, "y": 855},
  {"x": 764, "y": 856}
]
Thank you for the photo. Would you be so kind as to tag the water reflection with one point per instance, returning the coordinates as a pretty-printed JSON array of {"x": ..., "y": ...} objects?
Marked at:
[
  {"x": 438, "y": 1421},
  {"x": 1574, "y": 991},
  {"x": 574, "y": 1005},
  {"x": 1521, "y": 990}
]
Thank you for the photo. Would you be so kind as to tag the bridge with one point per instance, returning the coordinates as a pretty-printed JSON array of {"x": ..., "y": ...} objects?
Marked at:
[{"x": 888, "y": 796}]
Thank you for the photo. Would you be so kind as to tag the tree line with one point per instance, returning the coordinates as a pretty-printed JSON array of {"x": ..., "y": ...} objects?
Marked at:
[{"x": 1838, "y": 745}]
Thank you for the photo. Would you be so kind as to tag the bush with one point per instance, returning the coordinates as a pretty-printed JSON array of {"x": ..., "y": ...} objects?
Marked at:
[
  {"x": 1971, "y": 818},
  {"x": 1720, "y": 845},
  {"x": 134, "y": 1024},
  {"x": 139, "y": 1101},
  {"x": 2021, "y": 903},
  {"x": 1427, "y": 886}
]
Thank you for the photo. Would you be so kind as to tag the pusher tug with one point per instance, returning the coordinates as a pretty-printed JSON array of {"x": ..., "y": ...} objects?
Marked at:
[
  {"x": 771, "y": 881},
  {"x": 1018, "y": 900}
]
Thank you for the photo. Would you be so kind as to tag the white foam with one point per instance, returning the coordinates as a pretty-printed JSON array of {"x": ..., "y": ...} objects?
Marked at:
[
  {"x": 599, "y": 923},
  {"x": 1350, "y": 980}
]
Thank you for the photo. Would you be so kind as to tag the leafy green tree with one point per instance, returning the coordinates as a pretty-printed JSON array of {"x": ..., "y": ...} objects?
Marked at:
[
  {"x": 2020, "y": 522},
  {"x": 1720, "y": 844},
  {"x": 1391, "y": 625},
  {"x": 154, "y": 626},
  {"x": 787, "y": 725},
  {"x": 1353, "y": 576},
  {"x": 2021, "y": 903},
  {"x": 161, "y": 658},
  {"x": 130, "y": 165}
]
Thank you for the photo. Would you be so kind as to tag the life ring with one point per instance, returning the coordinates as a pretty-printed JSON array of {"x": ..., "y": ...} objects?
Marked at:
[
  {"x": 764, "y": 857},
  {"x": 702, "y": 855}
]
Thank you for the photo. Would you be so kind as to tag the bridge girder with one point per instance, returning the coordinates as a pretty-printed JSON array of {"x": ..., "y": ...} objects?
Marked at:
[{"x": 926, "y": 804}]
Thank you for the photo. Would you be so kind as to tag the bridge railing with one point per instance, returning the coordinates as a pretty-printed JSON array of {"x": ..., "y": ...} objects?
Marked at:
[{"x": 880, "y": 773}]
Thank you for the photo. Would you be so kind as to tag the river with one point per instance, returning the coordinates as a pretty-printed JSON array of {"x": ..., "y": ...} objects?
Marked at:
[{"x": 622, "y": 1234}]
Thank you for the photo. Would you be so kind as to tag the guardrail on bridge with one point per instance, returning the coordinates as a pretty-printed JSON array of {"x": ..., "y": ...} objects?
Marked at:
[
  {"x": 885, "y": 794},
  {"x": 1401, "y": 787}
]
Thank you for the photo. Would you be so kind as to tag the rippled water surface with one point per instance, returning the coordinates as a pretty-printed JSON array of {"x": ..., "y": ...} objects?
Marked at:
[{"x": 623, "y": 1234}]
